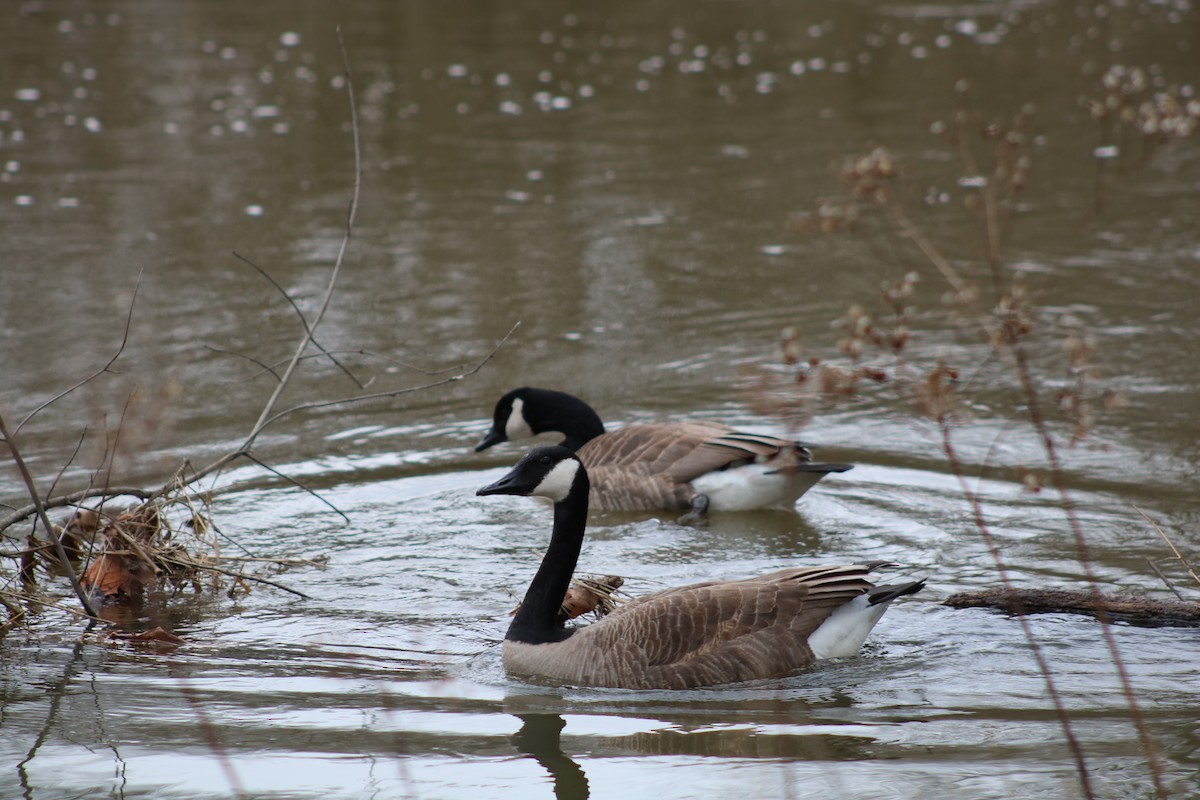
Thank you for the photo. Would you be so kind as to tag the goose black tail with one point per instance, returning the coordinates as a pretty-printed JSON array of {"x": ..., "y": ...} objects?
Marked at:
[{"x": 890, "y": 591}]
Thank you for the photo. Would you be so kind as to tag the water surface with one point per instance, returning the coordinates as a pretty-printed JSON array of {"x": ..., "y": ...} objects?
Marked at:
[{"x": 630, "y": 184}]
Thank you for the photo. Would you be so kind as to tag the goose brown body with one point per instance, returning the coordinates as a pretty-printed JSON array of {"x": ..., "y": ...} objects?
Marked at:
[
  {"x": 698, "y": 635},
  {"x": 664, "y": 465}
]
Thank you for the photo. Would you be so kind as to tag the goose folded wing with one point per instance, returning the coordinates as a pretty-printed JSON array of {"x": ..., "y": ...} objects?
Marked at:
[
  {"x": 720, "y": 632},
  {"x": 732, "y": 448},
  {"x": 633, "y": 468},
  {"x": 655, "y": 446}
]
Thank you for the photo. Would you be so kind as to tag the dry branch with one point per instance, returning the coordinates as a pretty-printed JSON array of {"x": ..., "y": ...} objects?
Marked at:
[
  {"x": 1178, "y": 555},
  {"x": 303, "y": 321},
  {"x": 310, "y": 329},
  {"x": 27, "y": 477},
  {"x": 73, "y": 499},
  {"x": 97, "y": 373}
]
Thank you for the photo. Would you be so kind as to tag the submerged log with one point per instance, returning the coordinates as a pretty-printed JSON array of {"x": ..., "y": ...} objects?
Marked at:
[{"x": 1142, "y": 611}]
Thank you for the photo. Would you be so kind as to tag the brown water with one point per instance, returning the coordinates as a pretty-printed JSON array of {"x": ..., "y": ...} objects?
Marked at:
[{"x": 621, "y": 179}]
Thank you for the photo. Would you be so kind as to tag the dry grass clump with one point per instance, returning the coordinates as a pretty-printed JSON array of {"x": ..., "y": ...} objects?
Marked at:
[
  {"x": 594, "y": 593},
  {"x": 165, "y": 545}
]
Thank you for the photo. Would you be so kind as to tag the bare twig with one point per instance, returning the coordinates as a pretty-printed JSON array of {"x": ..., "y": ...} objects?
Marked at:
[
  {"x": 265, "y": 367},
  {"x": 1170, "y": 544},
  {"x": 359, "y": 352},
  {"x": 74, "y": 498},
  {"x": 1154, "y": 568},
  {"x": 97, "y": 373},
  {"x": 70, "y": 460},
  {"x": 1035, "y": 648},
  {"x": 1058, "y": 477},
  {"x": 278, "y": 561},
  {"x": 27, "y": 477},
  {"x": 244, "y": 451},
  {"x": 45, "y": 603},
  {"x": 303, "y": 320},
  {"x": 394, "y": 392},
  {"x": 116, "y": 441},
  {"x": 241, "y": 576},
  {"x": 298, "y": 485},
  {"x": 351, "y": 213},
  {"x": 409, "y": 365},
  {"x": 15, "y": 615}
]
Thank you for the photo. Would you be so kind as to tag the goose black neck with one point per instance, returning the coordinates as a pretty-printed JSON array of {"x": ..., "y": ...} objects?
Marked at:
[
  {"x": 537, "y": 620},
  {"x": 568, "y": 415}
]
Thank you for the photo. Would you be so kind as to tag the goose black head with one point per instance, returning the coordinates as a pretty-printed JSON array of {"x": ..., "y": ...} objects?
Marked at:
[
  {"x": 508, "y": 420},
  {"x": 527, "y": 412},
  {"x": 551, "y": 472}
]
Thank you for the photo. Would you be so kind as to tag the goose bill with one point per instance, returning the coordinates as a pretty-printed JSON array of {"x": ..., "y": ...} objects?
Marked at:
[{"x": 493, "y": 437}]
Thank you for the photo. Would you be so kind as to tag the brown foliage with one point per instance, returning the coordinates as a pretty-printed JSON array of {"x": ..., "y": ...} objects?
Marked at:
[
  {"x": 123, "y": 569},
  {"x": 591, "y": 594}
]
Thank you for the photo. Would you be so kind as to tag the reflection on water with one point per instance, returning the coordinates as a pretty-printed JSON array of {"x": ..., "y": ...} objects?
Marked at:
[
  {"x": 632, "y": 183},
  {"x": 55, "y": 692},
  {"x": 540, "y": 736}
]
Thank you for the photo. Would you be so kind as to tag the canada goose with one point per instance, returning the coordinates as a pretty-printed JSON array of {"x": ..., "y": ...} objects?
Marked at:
[
  {"x": 679, "y": 465},
  {"x": 699, "y": 635}
]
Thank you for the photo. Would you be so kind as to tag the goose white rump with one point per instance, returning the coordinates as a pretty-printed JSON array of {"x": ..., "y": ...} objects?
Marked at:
[{"x": 754, "y": 486}]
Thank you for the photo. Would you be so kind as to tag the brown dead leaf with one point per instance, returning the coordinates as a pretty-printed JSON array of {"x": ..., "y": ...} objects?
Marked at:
[
  {"x": 117, "y": 576},
  {"x": 588, "y": 593},
  {"x": 153, "y": 635},
  {"x": 122, "y": 569},
  {"x": 594, "y": 594}
]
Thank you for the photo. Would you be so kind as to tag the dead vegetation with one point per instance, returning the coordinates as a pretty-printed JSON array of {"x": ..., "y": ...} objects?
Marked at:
[
  {"x": 1044, "y": 360},
  {"x": 119, "y": 542},
  {"x": 591, "y": 593},
  {"x": 594, "y": 594}
]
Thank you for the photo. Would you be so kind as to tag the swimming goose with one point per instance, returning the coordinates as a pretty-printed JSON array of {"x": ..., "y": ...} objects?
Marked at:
[
  {"x": 698, "y": 635},
  {"x": 678, "y": 465}
]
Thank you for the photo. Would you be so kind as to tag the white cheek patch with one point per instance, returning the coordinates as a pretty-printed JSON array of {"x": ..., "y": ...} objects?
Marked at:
[
  {"x": 517, "y": 427},
  {"x": 558, "y": 481}
]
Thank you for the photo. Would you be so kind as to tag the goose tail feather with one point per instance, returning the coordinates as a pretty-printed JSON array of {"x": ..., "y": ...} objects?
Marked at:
[
  {"x": 845, "y": 630},
  {"x": 888, "y": 592}
]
